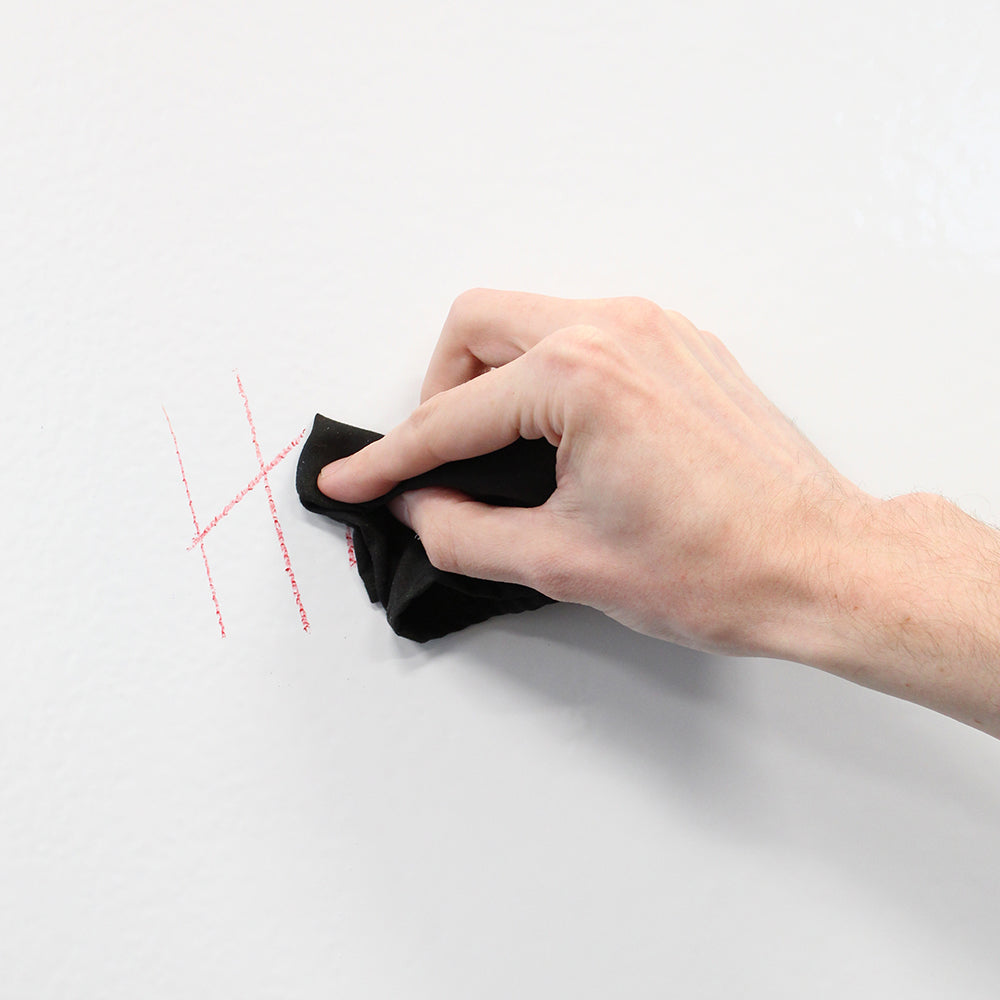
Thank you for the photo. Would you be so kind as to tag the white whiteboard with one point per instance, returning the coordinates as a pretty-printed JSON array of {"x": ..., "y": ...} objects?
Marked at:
[{"x": 543, "y": 805}]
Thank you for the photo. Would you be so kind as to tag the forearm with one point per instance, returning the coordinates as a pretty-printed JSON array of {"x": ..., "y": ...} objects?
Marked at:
[{"x": 909, "y": 603}]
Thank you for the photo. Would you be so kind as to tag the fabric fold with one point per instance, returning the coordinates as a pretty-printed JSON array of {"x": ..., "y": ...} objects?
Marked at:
[{"x": 422, "y": 602}]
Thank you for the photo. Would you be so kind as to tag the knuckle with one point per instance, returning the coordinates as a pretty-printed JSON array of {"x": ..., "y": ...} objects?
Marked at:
[
  {"x": 716, "y": 345},
  {"x": 585, "y": 365},
  {"x": 677, "y": 321},
  {"x": 465, "y": 303},
  {"x": 676, "y": 329},
  {"x": 641, "y": 313},
  {"x": 725, "y": 356},
  {"x": 648, "y": 323},
  {"x": 581, "y": 352}
]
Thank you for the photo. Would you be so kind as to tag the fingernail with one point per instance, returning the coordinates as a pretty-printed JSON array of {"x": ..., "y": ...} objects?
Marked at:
[{"x": 400, "y": 509}]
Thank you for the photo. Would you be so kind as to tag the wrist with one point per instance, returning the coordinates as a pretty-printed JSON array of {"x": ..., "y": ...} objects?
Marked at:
[
  {"x": 823, "y": 581},
  {"x": 903, "y": 596}
]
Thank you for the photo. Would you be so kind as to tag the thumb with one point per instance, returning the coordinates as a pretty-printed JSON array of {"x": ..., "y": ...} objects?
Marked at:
[{"x": 475, "y": 539}]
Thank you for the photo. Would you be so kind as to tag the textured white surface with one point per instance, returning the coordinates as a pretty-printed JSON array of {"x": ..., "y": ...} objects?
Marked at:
[{"x": 544, "y": 805}]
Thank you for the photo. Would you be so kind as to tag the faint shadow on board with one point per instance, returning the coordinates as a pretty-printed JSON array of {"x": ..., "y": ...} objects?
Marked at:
[{"x": 773, "y": 755}]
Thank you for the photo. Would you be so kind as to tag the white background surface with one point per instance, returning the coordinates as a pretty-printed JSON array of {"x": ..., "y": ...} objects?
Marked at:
[{"x": 545, "y": 805}]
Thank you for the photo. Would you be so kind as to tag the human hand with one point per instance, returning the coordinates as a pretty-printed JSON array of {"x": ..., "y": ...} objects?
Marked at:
[{"x": 687, "y": 506}]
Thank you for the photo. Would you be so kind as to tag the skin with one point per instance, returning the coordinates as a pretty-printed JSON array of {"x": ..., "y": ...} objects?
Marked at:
[{"x": 687, "y": 506}]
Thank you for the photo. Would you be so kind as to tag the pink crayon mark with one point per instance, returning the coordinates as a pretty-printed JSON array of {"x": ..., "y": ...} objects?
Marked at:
[
  {"x": 198, "y": 541},
  {"x": 273, "y": 507},
  {"x": 198, "y": 538},
  {"x": 194, "y": 518},
  {"x": 352, "y": 557}
]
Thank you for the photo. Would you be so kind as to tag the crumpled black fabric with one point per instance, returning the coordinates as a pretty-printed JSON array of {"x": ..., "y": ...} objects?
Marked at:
[{"x": 422, "y": 602}]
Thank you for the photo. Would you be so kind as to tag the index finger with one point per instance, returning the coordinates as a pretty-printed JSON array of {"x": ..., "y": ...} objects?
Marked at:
[{"x": 474, "y": 418}]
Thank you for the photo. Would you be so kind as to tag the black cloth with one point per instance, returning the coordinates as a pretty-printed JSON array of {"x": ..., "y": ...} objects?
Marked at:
[{"x": 422, "y": 602}]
